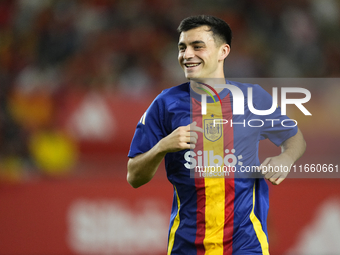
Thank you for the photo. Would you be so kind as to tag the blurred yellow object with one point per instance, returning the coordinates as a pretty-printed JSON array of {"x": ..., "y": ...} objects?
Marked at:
[{"x": 53, "y": 152}]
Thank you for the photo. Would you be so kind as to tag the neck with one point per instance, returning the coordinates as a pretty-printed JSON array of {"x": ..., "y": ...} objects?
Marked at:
[{"x": 198, "y": 85}]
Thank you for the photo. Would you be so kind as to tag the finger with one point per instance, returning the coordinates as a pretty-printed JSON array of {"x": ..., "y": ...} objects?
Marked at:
[
  {"x": 194, "y": 123},
  {"x": 279, "y": 180},
  {"x": 269, "y": 175},
  {"x": 193, "y": 127},
  {"x": 266, "y": 169},
  {"x": 191, "y": 139},
  {"x": 197, "y": 129},
  {"x": 192, "y": 134},
  {"x": 264, "y": 163},
  {"x": 272, "y": 181},
  {"x": 273, "y": 178}
]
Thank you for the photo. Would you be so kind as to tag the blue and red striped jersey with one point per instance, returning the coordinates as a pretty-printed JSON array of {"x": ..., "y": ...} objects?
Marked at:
[{"x": 220, "y": 210}]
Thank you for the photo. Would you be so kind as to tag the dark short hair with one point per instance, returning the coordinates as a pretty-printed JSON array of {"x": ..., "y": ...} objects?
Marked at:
[{"x": 218, "y": 27}]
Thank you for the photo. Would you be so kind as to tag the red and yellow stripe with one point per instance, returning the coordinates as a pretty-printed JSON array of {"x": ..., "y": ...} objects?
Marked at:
[{"x": 215, "y": 196}]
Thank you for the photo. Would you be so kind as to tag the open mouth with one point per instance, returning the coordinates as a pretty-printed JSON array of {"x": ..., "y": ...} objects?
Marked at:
[{"x": 192, "y": 65}]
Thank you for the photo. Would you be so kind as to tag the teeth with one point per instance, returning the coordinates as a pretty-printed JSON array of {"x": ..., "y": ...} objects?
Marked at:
[{"x": 191, "y": 65}]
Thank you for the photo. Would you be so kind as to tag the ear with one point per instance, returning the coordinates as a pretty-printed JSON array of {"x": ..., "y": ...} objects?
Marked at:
[{"x": 224, "y": 51}]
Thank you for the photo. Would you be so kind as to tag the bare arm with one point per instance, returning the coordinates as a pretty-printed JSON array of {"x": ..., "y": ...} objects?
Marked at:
[
  {"x": 143, "y": 167},
  {"x": 292, "y": 149},
  {"x": 295, "y": 146}
]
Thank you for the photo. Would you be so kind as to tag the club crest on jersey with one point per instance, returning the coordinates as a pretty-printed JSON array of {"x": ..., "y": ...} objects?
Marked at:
[{"x": 212, "y": 131}]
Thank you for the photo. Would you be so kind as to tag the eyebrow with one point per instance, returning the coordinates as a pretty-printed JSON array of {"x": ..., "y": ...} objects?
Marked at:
[{"x": 191, "y": 43}]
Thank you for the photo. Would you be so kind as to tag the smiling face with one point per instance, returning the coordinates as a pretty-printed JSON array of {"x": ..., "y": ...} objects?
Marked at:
[{"x": 200, "y": 55}]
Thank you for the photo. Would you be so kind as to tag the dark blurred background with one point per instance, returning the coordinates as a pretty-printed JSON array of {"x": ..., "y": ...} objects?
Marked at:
[{"x": 76, "y": 76}]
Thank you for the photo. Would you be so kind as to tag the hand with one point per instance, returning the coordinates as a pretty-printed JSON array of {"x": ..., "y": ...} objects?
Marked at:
[
  {"x": 276, "y": 169},
  {"x": 184, "y": 137}
]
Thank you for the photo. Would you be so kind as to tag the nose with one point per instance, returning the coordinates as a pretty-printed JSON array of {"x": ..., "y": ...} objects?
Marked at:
[{"x": 189, "y": 53}]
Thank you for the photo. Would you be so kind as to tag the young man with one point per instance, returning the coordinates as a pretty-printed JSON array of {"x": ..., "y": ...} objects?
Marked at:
[{"x": 211, "y": 215}]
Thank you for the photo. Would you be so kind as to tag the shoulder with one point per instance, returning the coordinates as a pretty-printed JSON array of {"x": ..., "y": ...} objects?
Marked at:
[
  {"x": 168, "y": 107},
  {"x": 244, "y": 87},
  {"x": 168, "y": 97},
  {"x": 252, "y": 91},
  {"x": 173, "y": 94}
]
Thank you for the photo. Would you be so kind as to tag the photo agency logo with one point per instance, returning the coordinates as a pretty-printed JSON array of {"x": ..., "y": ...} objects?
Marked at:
[
  {"x": 238, "y": 103},
  {"x": 214, "y": 109}
]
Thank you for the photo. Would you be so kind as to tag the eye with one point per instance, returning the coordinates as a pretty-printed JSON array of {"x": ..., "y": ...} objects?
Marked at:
[{"x": 181, "y": 49}]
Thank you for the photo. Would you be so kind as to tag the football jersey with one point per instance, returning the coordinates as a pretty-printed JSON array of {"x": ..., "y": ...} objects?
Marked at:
[{"x": 220, "y": 211}]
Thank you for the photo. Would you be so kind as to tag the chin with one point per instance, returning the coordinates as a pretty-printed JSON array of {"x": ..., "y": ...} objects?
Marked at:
[{"x": 191, "y": 76}]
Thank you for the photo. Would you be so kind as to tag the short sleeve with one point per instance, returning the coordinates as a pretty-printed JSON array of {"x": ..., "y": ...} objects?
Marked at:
[
  {"x": 277, "y": 128},
  {"x": 149, "y": 129}
]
